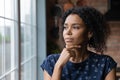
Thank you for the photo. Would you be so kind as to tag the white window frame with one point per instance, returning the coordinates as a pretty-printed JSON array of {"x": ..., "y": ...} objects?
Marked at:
[{"x": 41, "y": 35}]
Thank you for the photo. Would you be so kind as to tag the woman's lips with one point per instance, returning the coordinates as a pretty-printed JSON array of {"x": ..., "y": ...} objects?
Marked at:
[{"x": 69, "y": 40}]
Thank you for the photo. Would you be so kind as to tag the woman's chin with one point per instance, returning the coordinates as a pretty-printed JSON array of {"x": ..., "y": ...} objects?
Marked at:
[{"x": 71, "y": 44}]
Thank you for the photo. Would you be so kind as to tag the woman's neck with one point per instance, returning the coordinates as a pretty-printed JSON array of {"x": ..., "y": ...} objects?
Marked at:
[{"x": 80, "y": 55}]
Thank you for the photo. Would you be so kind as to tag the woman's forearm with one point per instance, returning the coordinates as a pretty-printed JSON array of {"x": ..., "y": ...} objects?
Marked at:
[{"x": 57, "y": 73}]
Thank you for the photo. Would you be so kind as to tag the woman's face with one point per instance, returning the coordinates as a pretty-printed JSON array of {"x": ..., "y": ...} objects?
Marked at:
[{"x": 74, "y": 32}]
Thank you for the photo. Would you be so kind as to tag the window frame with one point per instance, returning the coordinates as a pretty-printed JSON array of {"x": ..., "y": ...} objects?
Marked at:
[
  {"x": 17, "y": 42},
  {"x": 41, "y": 35}
]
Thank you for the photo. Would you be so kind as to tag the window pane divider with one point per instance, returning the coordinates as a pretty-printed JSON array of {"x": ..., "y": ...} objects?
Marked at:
[
  {"x": 13, "y": 69},
  {"x": 27, "y": 60},
  {"x": 19, "y": 41},
  {"x": 6, "y": 73},
  {"x": 16, "y": 21}
]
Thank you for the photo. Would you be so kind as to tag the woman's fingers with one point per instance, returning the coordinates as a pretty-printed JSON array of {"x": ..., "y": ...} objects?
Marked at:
[
  {"x": 67, "y": 53},
  {"x": 72, "y": 46},
  {"x": 72, "y": 49}
]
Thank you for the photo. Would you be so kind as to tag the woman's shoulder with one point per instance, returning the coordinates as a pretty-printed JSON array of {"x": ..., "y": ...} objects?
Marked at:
[
  {"x": 49, "y": 62},
  {"x": 53, "y": 57},
  {"x": 102, "y": 58},
  {"x": 105, "y": 62}
]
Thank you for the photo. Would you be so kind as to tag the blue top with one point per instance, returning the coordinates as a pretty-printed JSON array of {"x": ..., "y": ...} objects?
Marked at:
[{"x": 95, "y": 67}]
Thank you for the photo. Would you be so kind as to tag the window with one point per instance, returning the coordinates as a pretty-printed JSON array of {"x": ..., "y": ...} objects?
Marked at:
[{"x": 9, "y": 49}]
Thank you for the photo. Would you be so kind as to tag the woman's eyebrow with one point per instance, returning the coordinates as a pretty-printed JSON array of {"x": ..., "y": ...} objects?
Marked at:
[
  {"x": 78, "y": 24},
  {"x": 65, "y": 24}
]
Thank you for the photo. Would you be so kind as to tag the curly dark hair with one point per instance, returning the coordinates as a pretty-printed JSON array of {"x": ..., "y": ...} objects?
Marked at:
[{"x": 95, "y": 23}]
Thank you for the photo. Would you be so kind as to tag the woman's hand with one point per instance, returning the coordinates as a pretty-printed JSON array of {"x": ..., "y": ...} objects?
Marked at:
[{"x": 66, "y": 54}]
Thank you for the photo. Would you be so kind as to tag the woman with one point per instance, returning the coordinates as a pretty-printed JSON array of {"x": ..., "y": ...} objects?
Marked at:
[{"x": 83, "y": 27}]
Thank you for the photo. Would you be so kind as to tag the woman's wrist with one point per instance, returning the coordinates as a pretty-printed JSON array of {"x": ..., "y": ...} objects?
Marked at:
[
  {"x": 57, "y": 72},
  {"x": 58, "y": 66}
]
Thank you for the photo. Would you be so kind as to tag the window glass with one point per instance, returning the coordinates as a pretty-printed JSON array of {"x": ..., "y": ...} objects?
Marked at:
[
  {"x": 28, "y": 39},
  {"x": 9, "y": 40}
]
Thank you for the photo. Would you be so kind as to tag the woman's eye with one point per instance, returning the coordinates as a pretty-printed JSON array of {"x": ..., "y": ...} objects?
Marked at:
[
  {"x": 65, "y": 27},
  {"x": 76, "y": 27}
]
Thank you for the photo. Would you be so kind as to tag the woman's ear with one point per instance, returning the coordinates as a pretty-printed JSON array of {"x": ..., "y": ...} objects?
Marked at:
[{"x": 90, "y": 34}]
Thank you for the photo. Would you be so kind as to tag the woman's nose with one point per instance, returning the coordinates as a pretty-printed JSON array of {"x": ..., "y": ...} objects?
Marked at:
[{"x": 69, "y": 32}]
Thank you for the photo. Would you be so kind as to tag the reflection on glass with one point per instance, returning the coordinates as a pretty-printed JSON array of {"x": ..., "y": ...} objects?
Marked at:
[
  {"x": 2, "y": 7},
  {"x": 9, "y": 8},
  {"x": 28, "y": 52},
  {"x": 28, "y": 40},
  {"x": 28, "y": 73},
  {"x": 28, "y": 12},
  {"x": 7, "y": 52},
  {"x": 7, "y": 32},
  {"x": 9, "y": 40},
  {"x": 1, "y": 50}
]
